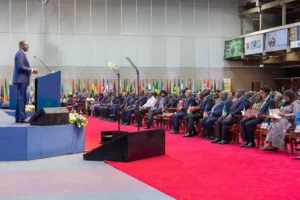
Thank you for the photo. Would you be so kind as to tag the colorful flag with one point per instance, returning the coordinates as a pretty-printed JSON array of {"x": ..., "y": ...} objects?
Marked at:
[
  {"x": 79, "y": 88},
  {"x": 115, "y": 89},
  {"x": 93, "y": 88},
  {"x": 223, "y": 85},
  {"x": 5, "y": 91},
  {"x": 156, "y": 90},
  {"x": 215, "y": 86},
  {"x": 146, "y": 85},
  {"x": 174, "y": 87}
]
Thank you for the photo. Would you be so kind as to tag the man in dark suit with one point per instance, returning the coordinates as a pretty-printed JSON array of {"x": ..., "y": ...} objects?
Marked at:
[
  {"x": 224, "y": 123},
  {"x": 126, "y": 113},
  {"x": 21, "y": 78},
  {"x": 213, "y": 115},
  {"x": 205, "y": 105},
  {"x": 248, "y": 124},
  {"x": 182, "y": 112},
  {"x": 162, "y": 106}
]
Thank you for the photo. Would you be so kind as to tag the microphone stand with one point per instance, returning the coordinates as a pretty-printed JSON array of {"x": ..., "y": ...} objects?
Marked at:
[
  {"x": 116, "y": 70},
  {"x": 44, "y": 64},
  {"x": 138, "y": 89}
]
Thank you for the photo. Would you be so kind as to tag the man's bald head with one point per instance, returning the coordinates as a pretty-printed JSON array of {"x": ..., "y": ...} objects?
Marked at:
[{"x": 24, "y": 45}]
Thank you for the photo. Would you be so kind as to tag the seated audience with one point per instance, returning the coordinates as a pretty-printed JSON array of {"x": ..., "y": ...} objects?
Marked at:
[
  {"x": 278, "y": 99},
  {"x": 182, "y": 112},
  {"x": 224, "y": 123},
  {"x": 277, "y": 131},
  {"x": 247, "y": 125},
  {"x": 126, "y": 113},
  {"x": 150, "y": 104},
  {"x": 207, "y": 122},
  {"x": 162, "y": 106},
  {"x": 205, "y": 105}
]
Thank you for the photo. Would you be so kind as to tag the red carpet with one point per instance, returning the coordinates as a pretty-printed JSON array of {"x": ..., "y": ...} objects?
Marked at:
[{"x": 195, "y": 169}]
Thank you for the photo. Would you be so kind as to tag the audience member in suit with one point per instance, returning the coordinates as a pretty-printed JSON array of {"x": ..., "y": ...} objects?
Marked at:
[
  {"x": 114, "y": 108},
  {"x": 79, "y": 102},
  {"x": 21, "y": 78},
  {"x": 96, "y": 103},
  {"x": 174, "y": 101},
  {"x": 162, "y": 106},
  {"x": 182, "y": 112},
  {"x": 247, "y": 125},
  {"x": 207, "y": 123},
  {"x": 150, "y": 104},
  {"x": 126, "y": 113},
  {"x": 128, "y": 101},
  {"x": 205, "y": 105},
  {"x": 103, "y": 110},
  {"x": 101, "y": 103},
  {"x": 224, "y": 123}
]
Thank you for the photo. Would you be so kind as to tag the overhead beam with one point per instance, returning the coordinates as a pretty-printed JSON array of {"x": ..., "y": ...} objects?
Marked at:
[
  {"x": 252, "y": 10},
  {"x": 271, "y": 5},
  {"x": 288, "y": 1},
  {"x": 271, "y": 29}
]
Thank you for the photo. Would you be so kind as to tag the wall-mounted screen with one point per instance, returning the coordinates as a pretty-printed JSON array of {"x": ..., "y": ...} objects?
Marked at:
[
  {"x": 276, "y": 40},
  {"x": 233, "y": 48},
  {"x": 295, "y": 37},
  {"x": 254, "y": 44}
]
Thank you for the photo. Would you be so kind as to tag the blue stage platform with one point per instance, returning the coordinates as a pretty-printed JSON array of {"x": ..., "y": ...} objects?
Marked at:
[{"x": 26, "y": 142}]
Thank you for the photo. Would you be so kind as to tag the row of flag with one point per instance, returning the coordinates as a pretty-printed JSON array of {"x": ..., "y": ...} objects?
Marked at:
[
  {"x": 4, "y": 90},
  {"x": 155, "y": 85}
]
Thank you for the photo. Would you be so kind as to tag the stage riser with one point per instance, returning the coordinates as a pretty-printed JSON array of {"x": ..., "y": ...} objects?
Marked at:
[{"x": 34, "y": 142}]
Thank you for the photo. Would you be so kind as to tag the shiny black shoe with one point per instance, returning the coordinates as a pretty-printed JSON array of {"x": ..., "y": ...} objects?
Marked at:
[
  {"x": 188, "y": 134},
  {"x": 223, "y": 142},
  {"x": 174, "y": 132},
  {"x": 216, "y": 140},
  {"x": 24, "y": 121},
  {"x": 250, "y": 145},
  {"x": 137, "y": 125},
  {"x": 244, "y": 144}
]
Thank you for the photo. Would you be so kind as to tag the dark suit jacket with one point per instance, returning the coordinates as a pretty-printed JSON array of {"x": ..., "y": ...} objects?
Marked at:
[
  {"x": 166, "y": 102},
  {"x": 143, "y": 100},
  {"x": 218, "y": 108},
  {"x": 269, "y": 104},
  {"x": 206, "y": 104},
  {"x": 239, "y": 105},
  {"x": 188, "y": 102},
  {"x": 22, "y": 70},
  {"x": 128, "y": 100}
]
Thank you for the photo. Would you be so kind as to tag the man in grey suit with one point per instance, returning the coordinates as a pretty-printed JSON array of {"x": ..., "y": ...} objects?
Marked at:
[{"x": 21, "y": 79}]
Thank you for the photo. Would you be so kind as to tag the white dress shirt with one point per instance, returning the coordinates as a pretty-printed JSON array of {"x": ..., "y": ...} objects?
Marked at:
[{"x": 150, "y": 103}]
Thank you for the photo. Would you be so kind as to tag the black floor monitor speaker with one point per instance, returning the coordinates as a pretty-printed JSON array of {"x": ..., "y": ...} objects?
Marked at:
[
  {"x": 130, "y": 147},
  {"x": 50, "y": 116}
]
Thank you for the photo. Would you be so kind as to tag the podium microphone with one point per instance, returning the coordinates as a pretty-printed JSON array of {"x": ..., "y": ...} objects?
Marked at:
[{"x": 44, "y": 64}]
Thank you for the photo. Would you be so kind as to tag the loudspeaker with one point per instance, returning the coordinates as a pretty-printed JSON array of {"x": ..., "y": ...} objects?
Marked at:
[
  {"x": 50, "y": 116},
  {"x": 5, "y": 105},
  {"x": 107, "y": 136},
  {"x": 130, "y": 147}
]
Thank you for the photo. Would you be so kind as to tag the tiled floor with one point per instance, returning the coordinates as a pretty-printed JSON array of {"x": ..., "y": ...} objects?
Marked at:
[{"x": 70, "y": 178}]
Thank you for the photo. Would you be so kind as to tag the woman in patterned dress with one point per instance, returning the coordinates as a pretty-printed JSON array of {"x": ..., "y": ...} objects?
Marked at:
[{"x": 278, "y": 128}]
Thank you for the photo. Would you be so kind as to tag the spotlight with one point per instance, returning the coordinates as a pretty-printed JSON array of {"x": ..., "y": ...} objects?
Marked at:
[{"x": 46, "y": 1}]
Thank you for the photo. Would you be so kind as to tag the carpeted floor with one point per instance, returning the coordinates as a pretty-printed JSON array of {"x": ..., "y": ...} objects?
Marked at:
[{"x": 195, "y": 169}]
